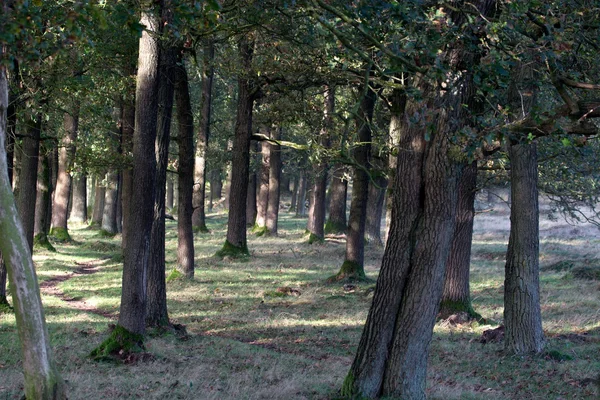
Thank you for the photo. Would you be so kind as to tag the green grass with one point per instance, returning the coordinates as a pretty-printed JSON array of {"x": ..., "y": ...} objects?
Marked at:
[{"x": 247, "y": 340}]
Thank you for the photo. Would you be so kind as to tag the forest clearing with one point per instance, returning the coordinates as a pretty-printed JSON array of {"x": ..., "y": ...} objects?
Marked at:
[{"x": 250, "y": 337}]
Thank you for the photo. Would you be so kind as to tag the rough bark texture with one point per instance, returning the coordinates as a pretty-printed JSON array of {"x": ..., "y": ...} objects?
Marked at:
[
  {"x": 522, "y": 314},
  {"x": 99, "y": 196},
  {"x": 251, "y": 211},
  {"x": 28, "y": 178},
  {"x": 66, "y": 153},
  {"x": 42, "y": 379},
  {"x": 109, "y": 212},
  {"x": 79, "y": 210},
  {"x": 353, "y": 266},
  {"x": 262, "y": 198},
  {"x": 42, "y": 202},
  {"x": 377, "y": 189},
  {"x": 133, "y": 298},
  {"x": 127, "y": 129},
  {"x": 185, "y": 119},
  {"x": 456, "y": 296},
  {"x": 338, "y": 192},
  {"x": 199, "y": 217},
  {"x": 316, "y": 214},
  {"x": 274, "y": 183},
  {"x": 236, "y": 224},
  {"x": 156, "y": 306}
]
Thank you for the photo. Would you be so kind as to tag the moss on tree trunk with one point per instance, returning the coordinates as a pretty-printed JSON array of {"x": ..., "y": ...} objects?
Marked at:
[
  {"x": 120, "y": 343},
  {"x": 229, "y": 250}
]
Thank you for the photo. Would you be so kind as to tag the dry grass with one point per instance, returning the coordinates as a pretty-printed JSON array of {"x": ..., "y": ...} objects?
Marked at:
[{"x": 247, "y": 340}]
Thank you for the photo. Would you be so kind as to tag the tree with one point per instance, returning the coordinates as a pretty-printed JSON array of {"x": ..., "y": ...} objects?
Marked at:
[
  {"x": 274, "y": 186},
  {"x": 42, "y": 201},
  {"x": 336, "y": 221},
  {"x": 109, "y": 211},
  {"x": 79, "y": 211}
]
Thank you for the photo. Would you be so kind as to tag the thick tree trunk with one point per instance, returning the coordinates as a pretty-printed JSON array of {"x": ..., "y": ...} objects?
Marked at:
[
  {"x": 42, "y": 202},
  {"x": 109, "y": 211},
  {"x": 262, "y": 199},
  {"x": 66, "y": 153},
  {"x": 79, "y": 210},
  {"x": 456, "y": 296},
  {"x": 185, "y": 119},
  {"x": 274, "y": 187},
  {"x": 338, "y": 189},
  {"x": 377, "y": 189},
  {"x": 353, "y": 266},
  {"x": 28, "y": 178},
  {"x": 42, "y": 379},
  {"x": 316, "y": 214},
  {"x": 301, "y": 199},
  {"x": 199, "y": 216},
  {"x": 127, "y": 129},
  {"x": 236, "y": 243},
  {"x": 99, "y": 196},
  {"x": 522, "y": 314},
  {"x": 156, "y": 306}
]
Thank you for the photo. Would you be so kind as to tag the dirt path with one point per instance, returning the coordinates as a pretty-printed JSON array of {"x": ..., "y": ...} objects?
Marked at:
[{"x": 50, "y": 287}]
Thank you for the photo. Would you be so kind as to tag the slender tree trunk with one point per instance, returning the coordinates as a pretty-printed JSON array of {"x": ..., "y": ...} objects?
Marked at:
[
  {"x": 99, "y": 196},
  {"x": 301, "y": 199},
  {"x": 285, "y": 184},
  {"x": 376, "y": 196},
  {"x": 28, "y": 178},
  {"x": 398, "y": 107},
  {"x": 316, "y": 218},
  {"x": 109, "y": 211},
  {"x": 456, "y": 296},
  {"x": 185, "y": 230},
  {"x": 216, "y": 188},
  {"x": 42, "y": 379},
  {"x": 156, "y": 305},
  {"x": 79, "y": 210},
  {"x": 336, "y": 222},
  {"x": 199, "y": 216},
  {"x": 274, "y": 187},
  {"x": 227, "y": 185},
  {"x": 294, "y": 198},
  {"x": 262, "y": 199},
  {"x": 127, "y": 130},
  {"x": 522, "y": 314},
  {"x": 170, "y": 193},
  {"x": 236, "y": 242},
  {"x": 66, "y": 153},
  {"x": 251, "y": 211},
  {"x": 42, "y": 202},
  {"x": 353, "y": 266}
]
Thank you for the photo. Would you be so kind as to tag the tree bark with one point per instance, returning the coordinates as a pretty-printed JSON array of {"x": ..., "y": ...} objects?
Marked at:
[
  {"x": 127, "y": 130},
  {"x": 353, "y": 265},
  {"x": 274, "y": 181},
  {"x": 42, "y": 379},
  {"x": 99, "y": 196},
  {"x": 301, "y": 199},
  {"x": 156, "y": 305},
  {"x": 170, "y": 193},
  {"x": 294, "y": 198},
  {"x": 199, "y": 216},
  {"x": 186, "y": 172},
  {"x": 522, "y": 314},
  {"x": 251, "y": 211},
  {"x": 338, "y": 189},
  {"x": 456, "y": 296},
  {"x": 109, "y": 211},
  {"x": 79, "y": 210},
  {"x": 42, "y": 202},
  {"x": 262, "y": 199},
  {"x": 236, "y": 243},
  {"x": 376, "y": 196}
]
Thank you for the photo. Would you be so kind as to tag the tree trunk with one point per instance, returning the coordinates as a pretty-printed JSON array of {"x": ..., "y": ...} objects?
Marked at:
[
  {"x": 186, "y": 171},
  {"x": 99, "y": 196},
  {"x": 127, "y": 130},
  {"x": 216, "y": 188},
  {"x": 262, "y": 199},
  {"x": 42, "y": 202},
  {"x": 522, "y": 314},
  {"x": 274, "y": 178},
  {"x": 456, "y": 296},
  {"x": 316, "y": 215},
  {"x": 42, "y": 379},
  {"x": 236, "y": 243},
  {"x": 199, "y": 216},
  {"x": 301, "y": 199},
  {"x": 66, "y": 153},
  {"x": 156, "y": 306},
  {"x": 109, "y": 211},
  {"x": 353, "y": 266},
  {"x": 251, "y": 211},
  {"x": 294, "y": 198},
  {"x": 79, "y": 210},
  {"x": 28, "y": 178},
  {"x": 376, "y": 196},
  {"x": 338, "y": 189},
  {"x": 170, "y": 193}
]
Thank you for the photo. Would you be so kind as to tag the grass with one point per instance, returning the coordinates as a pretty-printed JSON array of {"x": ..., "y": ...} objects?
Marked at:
[{"x": 248, "y": 338}]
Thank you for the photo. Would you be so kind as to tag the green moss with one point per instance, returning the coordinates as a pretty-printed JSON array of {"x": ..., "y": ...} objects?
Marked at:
[
  {"x": 201, "y": 229},
  {"x": 274, "y": 293},
  {"x": 60, "y": 234},
  {"x": 312, "y": 238},
  {"x": 229, "y": 250},
  {"x": 41, "y": 241},
  {"x": 259, "y": 230},
  {"x": 557, "y": 355},
  {"x": 450, "y": 307},
  {"x": 174, "y": 275},
  {"x": 119, "y": 343},
  {"x": 335, "y": 227},
  {"x": 103, "y": 233},
  {"x": 348, "y": 389},
  {"x": 350, "y": 271}
]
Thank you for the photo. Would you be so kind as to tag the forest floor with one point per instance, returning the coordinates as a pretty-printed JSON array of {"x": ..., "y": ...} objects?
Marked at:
[{"x": 270, "y": 327}]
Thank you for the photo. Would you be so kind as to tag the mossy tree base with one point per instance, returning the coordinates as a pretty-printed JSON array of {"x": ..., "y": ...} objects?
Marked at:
[
  {"x": 229, "y": 250},
  {"x": 118, "y": 345},
  {"x": 312, "y": 238},
  {"x": 351, "y": 272},
  {"x": 60, "y": 234},
  {"x": 200, "y": 229},
  {"x": 41, "y": 241},
  {"x": 335, "y": 228},
  {"x": 260, "y": 230},
  {"x": 103, "y": 233},
  {"x": 451, "y": 307}
]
